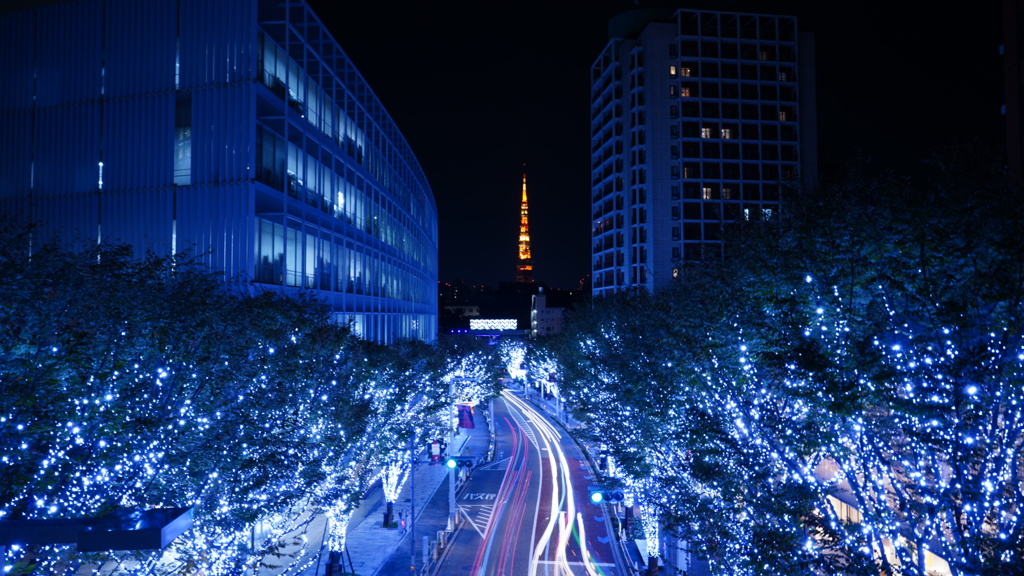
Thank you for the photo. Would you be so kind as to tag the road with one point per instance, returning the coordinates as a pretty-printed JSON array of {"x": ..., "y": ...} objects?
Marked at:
[{"x": 527, "y": 513}]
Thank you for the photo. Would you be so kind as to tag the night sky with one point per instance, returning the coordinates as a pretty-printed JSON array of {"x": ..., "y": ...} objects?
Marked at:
[{"x": 478, "y": 89}]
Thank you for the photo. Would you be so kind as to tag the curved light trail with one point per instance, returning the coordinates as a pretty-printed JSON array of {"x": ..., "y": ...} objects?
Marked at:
[
  {"x": 535, "y": 522},
  {"x": 562, "y": 498}
]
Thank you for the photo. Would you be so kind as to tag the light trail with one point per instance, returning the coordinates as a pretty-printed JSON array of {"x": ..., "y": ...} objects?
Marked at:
[
  {"x": 520, "y": 452},
  {"x": 563, "y": 500}
]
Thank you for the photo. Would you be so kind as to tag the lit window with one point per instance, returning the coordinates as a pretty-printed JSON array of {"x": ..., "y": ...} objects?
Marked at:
[
  {"x": 767, "y": 212},
  {"x": 705, "y": 132},
  {"x": 782, "y": 76},
  {"x": 675, "y": 272},
  {"x": 706, "y": 193},
  {"x": 684, "y": 71},
  {"x": 782, "y": 115},
  {"x": 764, "y": 55},
  {"x": 686, "y": 171},
  {"x": 684, "y": 92},
  {"x": 746, "y": 213},
  {"x": 672, "y": 70},
  {"x": 727, "y": 133},
  {"x": 727, "y": 193}
]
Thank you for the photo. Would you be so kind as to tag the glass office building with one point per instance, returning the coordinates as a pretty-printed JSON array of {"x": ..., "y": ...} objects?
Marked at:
[{"x": 236, "y": 128}]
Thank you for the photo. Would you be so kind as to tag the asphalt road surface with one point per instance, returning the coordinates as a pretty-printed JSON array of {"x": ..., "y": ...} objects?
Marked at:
[{"x": 527, "y": 513}]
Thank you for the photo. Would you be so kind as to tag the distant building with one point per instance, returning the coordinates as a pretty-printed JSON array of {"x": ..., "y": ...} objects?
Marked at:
[
  {"x": 698, "y": 119},
  {"x": 546, "y": 320},
  {"x": 234, "y": 128}
]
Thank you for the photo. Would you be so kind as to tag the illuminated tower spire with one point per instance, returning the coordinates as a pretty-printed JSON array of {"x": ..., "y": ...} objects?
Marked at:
[{"x": 524, "y": 270}]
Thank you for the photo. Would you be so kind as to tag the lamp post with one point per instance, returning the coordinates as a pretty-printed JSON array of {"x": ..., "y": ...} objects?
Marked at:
[{"x": 412, "y": 501}]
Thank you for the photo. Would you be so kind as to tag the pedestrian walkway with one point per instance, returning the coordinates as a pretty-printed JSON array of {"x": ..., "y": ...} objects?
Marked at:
[
  {"x": 553, "y": 406},
  {"x": 373, "y": 550},
  {"x": 410, "y": 556}
]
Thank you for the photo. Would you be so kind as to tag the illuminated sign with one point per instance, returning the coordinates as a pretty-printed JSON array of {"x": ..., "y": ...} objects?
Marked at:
[{"x": 493, "y": 324}]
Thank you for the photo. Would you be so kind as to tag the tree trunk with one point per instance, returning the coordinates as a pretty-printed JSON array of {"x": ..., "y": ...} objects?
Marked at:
[
  {"x": 389, "y": 515},
  {"x": 334, "y": 565},
  {"x": 652, "y": 566}
]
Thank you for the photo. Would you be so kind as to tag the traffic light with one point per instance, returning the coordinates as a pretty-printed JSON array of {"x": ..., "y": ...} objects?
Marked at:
[
  {"x": 460, "y": 462},
  {"x": 600, "y": 495}
]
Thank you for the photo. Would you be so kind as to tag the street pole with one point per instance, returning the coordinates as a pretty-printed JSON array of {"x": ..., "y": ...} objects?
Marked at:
[
  {"x": 451, "y": 471},
  {"x": 412, "y": 501}
]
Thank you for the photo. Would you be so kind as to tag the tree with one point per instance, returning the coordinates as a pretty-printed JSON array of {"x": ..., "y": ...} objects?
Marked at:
[
  {"x": 843, "y": 388},
  {"x": 146, "y": 383}
]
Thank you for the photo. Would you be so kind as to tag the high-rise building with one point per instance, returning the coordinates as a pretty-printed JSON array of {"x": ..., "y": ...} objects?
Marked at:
[
  {"x": 237, "y": 129},
  {"x": 524, "y": 267},
  {"x": 698, "y": 119}
]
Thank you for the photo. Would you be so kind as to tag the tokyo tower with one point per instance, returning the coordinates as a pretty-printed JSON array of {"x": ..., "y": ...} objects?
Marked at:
[{"x": 524, "y": 269}]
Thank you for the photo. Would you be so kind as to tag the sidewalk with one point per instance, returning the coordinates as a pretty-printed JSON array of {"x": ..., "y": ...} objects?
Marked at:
[
  {"x": 432, "y": 522},
  {"x": 550, "y": 405},
  {"x": 377, "y": 551}
]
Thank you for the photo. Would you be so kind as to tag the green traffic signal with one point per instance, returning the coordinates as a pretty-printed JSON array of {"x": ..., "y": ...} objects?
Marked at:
[
  {"x": 602, "y": 494},
  {"x": 460, "y": 462}
]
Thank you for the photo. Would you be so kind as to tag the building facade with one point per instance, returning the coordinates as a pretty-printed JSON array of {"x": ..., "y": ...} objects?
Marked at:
[
  {"x": 547, "y": 318},
  {"x": 235, "y": 129},
  {"x": 698, "y": 119}
]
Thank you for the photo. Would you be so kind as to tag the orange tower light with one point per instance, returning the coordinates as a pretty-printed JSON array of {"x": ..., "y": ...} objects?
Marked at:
[{"x": 524, "y": 269}]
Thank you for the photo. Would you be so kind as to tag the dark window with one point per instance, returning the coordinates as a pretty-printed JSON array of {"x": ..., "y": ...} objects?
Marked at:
[
  {"x": 748, "y": 27},
  {"x": 691, "y": 230}
]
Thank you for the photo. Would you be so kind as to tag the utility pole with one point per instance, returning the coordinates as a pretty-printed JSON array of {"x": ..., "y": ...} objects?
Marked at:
[
  {"x": 451, "y": 447},
  {"x": 412, "y": 501}
]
